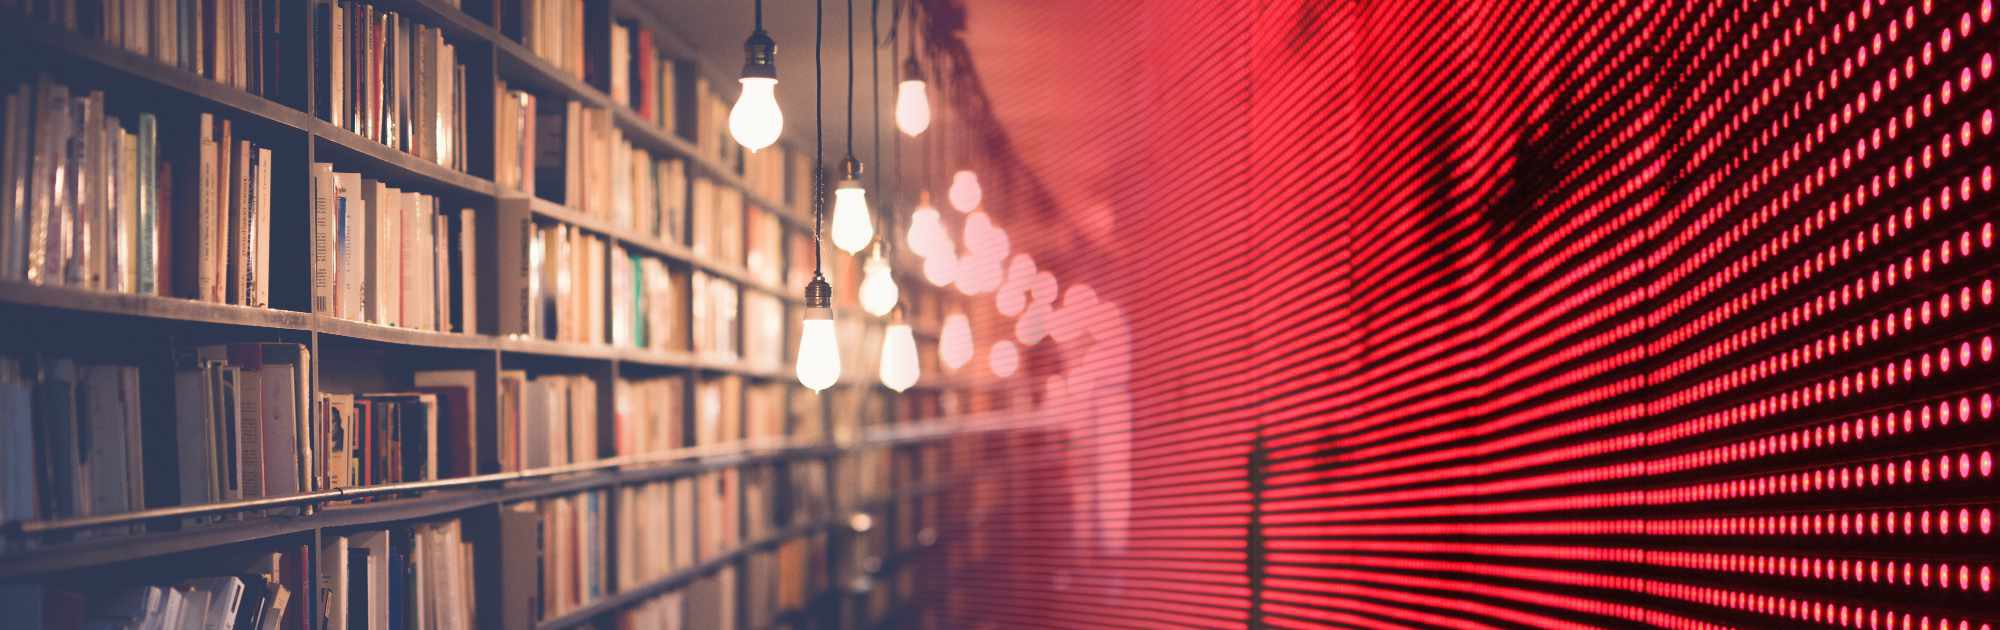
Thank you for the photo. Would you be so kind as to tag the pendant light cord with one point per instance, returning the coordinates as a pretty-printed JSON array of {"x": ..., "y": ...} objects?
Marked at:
[
  {"x": 875, "y": 93},
  {"x": 819, "y": 126},
  {"x": 850, "y": 78},
  {"x": 759, "y": 12}
]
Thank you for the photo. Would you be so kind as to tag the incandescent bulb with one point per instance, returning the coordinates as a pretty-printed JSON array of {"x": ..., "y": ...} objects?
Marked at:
[
  {"x": 755, "y": 121},
  {"x": 913, "y": 107},
  {"x": 1033, "y": 324},
  {"x": 941, "y": 269},
  {"x": 899, "y": 357},
  {"x": 955, "y": 341},
  {"x": 851, "y": 228},
  {"x": 1003, "y": 358},
  {"x": 819, "y": 352},
  {"x": 1042, "y": 288},
  {"x": 927, "y": 236},
  {"x": 878, "y": 287},
  {"x": 1010, "y": 299},
  {"x": 964, "y": 192}
]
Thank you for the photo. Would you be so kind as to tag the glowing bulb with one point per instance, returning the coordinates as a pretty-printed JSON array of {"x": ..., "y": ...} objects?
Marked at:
[
  {"x": 1003, "y": 358},
  {"x": 955, "y": 341},
  {"x": 899, "y": 357},
  {"x": 913, "y": 107},
  {"x": 755, "y": 121},
  {"x": 851, "y": 227},
  {"x": 1043, "y": 288},
  {"x": 941, "y": 269},
  {"x": 985, "y": 239},
  {"x": 927, "y": 236},
  {"x": 978, "y": 274},
  {"x": 819, "y": 352},
  {"x": 964, "y": 192},
  {"x": 1010, "y": 299},
  {"x": 1033, "y": 324},
  {"x": 878, "y": 287}
]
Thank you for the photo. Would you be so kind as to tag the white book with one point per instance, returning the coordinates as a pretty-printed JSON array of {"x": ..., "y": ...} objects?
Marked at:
[
  {"x": 377, "y": 597},
  {"x": 351, "y": 234},
  {"x": 337, "y": 66},
  {"x": 225, "y": 595},
  {"x": 333, "y": 582},
  {"x": 104, "y": 415},
  {"x": 379, "y": 279},
  {"x": 281, "y": 477},
  {"x": 414, "y": 251},
  {"x": 194, "y": 435},
  {"x": 129, "y": 224},
  {"x": 325, "y": 259},
  {"x": 194, "y": 608},
  {"x": 262, "y": 260}
]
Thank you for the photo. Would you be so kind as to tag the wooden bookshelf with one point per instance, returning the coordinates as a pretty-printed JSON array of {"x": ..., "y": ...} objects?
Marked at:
[{"x": 38, "y": 549}]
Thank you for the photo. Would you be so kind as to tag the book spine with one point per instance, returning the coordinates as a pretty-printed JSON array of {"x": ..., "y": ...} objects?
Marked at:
[
  {"x": 149, "y": 205},
  {"x": 323, "y": 261}
]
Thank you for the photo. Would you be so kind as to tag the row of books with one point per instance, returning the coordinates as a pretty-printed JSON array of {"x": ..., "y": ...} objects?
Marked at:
[
  {"x": 549, "y": 420},
  {"x": 575, "y": 155},
  {"x": 70, "y": 439},
  {"x": 644, "y": 297},
  {"x": 551, "y": 281},
  {"x": 714, "y": 309},
  {"x": 641, "y": 78},
  {"x": 85, "y": 193},
  {"x": 420, "y": 577},
  {"x": 553, "y": 556},
  {"x": 428, "y": 432},
  {"x": 233, "y": 42},
  {"x": 390, "y": 256},
  {"x": 268, "y": 594},
  {"x": 552, "y": 30},
  {"x": 390, "y": 79},
  {"x": 711, "y": 125},
  {"x": 243, "y": 428},
  {"x": 515, "y": 114},
  {"x": 717, "y": 225},
  {"x": 649, "y": 416}
]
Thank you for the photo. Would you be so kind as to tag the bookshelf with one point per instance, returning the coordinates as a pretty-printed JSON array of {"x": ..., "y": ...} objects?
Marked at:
[{"x": 164, "y": 537}]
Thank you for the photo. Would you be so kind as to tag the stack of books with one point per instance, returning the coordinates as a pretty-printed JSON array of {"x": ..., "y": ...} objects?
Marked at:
[
  {"x": 650, "y": 417},
  {"x": 424, "y": 433},
  {"x": 243, "y": 425},
  {"x": 420, "y": 577},
  {"x": 268, "y": 592},
  {"x": 549, "y": 420},
  {"x": 553, "y": 556},
  {"x": 237, "y": 43},
  {"x": 391, "y": 257},
  {"x": 550, "y": 281},
  {"x": 70, "y": 439},
  {"x": 392, "y": 80},
  {"x": 88, "y": 195},
  {"x": 640, "y": 78}
]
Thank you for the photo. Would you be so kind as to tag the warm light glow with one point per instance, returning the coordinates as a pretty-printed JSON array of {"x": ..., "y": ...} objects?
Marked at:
[
  {"x": 927, "y": 236},
  {"x": 1042, "y": 289},
  {"x": 851, "y": 228},
  {"x": 878, "y": 287},
  {"x": 756, "y": 121},
  {"x": 818, "y": 364},
  {"x": 941, "y": 269},
  {"x": 1010, "y": 299},
  {"x": 1033, "y": 324},
  {"x": 964, "y": 191},
  {"x": 984, "y": 239},
  {"x": 978, "y": 274},
  {"x": 913, "y": 107},
  {"x": 1003, "y": 358},
  {"x": 955, "y": 341},
  {"x": 899, "y": 357},
  {"x": 1069, "y": 322}
]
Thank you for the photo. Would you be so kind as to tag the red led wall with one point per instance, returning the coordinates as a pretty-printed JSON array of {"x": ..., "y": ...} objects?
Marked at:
[{"x": 1511, "y": 313}]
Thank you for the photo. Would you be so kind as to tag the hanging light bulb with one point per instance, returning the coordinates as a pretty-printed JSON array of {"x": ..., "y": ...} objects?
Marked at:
[
  {"x": 756, "y": 121},
  {"x": 1033, "y": 324},
  {"x": 913, "y": 102},
  {"x": 899, "y": 356},
  {"x": 818, "y": 363},
  {"x": 941, "y": 269},
  {"x": 878, "y": 285},
  {"x": 1003, "y": 358},
  {"x": 964, "y": 192},
  {"x": 819, "y": 350},
  {"x": 851, "y": 228},
  {"x": 1042, "y": 289},
  {"x": 955, "y": 341},
  {"x": 926, "y": 232}
]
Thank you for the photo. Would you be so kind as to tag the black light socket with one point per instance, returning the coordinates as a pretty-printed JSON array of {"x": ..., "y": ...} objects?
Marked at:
[{"x": 760, "y": 56}]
